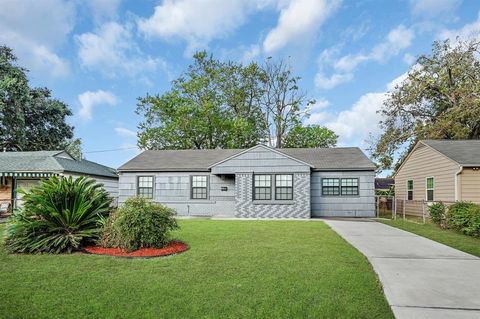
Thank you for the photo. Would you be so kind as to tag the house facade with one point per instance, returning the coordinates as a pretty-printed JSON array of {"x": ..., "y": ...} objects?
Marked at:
[
  {"x": 25, "y": 169},
  {"x": 260, "y": 182},
  {"x": 440, "y": 170}
]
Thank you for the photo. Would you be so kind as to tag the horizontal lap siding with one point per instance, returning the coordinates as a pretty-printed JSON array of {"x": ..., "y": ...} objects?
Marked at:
[
  {"x": 469, "y": 180},
  {"x": 109, "y": 184},
  {"x": 173, "y": 190},
  {"x": 425, "y": 162},
  {"x": 344, "y": 206},
  {"x": 260, "y": 160}
]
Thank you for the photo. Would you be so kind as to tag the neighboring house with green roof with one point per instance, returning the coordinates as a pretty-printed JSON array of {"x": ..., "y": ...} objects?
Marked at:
[{"x": 25, "y": 169}]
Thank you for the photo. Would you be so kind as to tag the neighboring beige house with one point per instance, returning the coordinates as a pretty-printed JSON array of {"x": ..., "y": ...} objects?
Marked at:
[{"x": 440, "y": 170}]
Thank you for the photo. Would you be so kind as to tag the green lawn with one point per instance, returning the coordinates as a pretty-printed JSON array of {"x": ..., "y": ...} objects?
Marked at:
[
  {"x": 234, "y": 269},
  {"x": 448, "y": 237}
]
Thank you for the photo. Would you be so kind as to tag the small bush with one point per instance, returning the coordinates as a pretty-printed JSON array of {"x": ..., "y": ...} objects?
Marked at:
[
  {"x": 58, "y": 215},
  {"x": 465, "y": 217},
  {"x": 139, "y": 223},
  {"x": 438, "y": 213}
]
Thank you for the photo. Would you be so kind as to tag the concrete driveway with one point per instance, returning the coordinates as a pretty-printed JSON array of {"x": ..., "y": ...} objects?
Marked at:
[{"x": 421, "y": 278}]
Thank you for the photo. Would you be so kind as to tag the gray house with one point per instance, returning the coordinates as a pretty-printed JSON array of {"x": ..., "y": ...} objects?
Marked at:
[{"x": 259, "y": 182}]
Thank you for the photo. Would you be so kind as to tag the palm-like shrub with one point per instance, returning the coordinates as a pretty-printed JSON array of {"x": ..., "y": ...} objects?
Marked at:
[{"x": 59, "y": 215}]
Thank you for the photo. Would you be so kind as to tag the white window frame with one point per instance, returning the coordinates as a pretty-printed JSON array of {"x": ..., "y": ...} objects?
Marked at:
[
  {"x": 153, "y": 186},
  {"x": 283, "y": 187},
  {"x": 408, "y": 190},
  {"x": 429, "y": 189},
  {"x": 207, "y": 193},
  {"x": 254, "y": 187}
]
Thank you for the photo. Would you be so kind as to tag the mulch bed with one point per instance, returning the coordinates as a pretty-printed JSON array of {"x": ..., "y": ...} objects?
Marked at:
[{"x": 173, "y": 247}]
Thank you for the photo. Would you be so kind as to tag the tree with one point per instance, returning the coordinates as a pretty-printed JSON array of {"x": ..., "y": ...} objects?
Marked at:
[
  {"x": 212, "y": 105},
  {"x": 30, "y": 119},
  {"x": 281, "y": 100},
  {"x": 310, "y": 136},
  {"x": 218, "y": 104},
  {"x": 439, "y": 99}
]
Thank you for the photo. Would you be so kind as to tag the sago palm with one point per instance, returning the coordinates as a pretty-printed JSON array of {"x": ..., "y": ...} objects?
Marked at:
[{"x": 59, "y": 215}]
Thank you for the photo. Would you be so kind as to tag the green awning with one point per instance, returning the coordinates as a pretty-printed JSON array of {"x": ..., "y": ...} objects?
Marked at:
[{"x": 28, "y": 174}]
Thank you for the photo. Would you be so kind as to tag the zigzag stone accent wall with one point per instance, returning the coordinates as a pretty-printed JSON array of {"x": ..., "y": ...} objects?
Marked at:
[{"x": 247, "y": 208}]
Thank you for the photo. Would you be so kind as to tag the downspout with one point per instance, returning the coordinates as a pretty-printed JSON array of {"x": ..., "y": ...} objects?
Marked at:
[{"x": 456, "y": 183}]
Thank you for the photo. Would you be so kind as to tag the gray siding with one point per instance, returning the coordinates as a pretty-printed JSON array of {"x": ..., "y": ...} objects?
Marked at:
[
  {"x": 260, "y": 159},
  {"x": 109, "y": 184},
  {"x": 299, "y": 207},
  {"x": 344, "y": 206},
  {"x": 173, "y": 189}
]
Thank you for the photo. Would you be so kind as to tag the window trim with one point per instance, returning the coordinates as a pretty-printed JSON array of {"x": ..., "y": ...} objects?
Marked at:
[
  {"x": 430, "y": 189},
  {"x": 253, "y": 187},
  {"x": 275, "y": 186},
  {"x": 409, "y": 190},
  {"x": 358, "y": 187},
  {"x": 339, "y": 190},
  {"x": 340, "y": 187},
  {"x": 207, "y": 192},
  {"x": 153, "y": 186}
]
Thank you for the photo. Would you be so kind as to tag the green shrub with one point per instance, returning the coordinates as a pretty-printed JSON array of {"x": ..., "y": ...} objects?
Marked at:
[
  {"x": 465, "y": 217},
  {"x": 438, "y": 213},
  {"x": 58, "y": 215},
  {"x": 139, "y": 223}
]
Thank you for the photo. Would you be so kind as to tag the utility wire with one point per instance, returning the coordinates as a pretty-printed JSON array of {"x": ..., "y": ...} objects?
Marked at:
[{"x": 111, "y": 150}]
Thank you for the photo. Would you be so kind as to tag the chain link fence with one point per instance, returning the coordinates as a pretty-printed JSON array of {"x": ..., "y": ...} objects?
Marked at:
[{"x": 395, "y": 208}]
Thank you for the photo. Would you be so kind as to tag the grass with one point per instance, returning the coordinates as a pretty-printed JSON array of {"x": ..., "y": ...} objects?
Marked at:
[
  {"x": 234, "y": 269},
  {"x": 448, "y": 237}
]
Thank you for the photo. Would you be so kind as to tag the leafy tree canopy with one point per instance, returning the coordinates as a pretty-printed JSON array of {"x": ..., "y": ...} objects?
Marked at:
[
  {"x": 217, "y": 104},
  {"x": 310, "y": 136},
  {"x": 439, "y": 99},
  {"x": 30, "y": 119},
  {"x": 212, "y": 105}
]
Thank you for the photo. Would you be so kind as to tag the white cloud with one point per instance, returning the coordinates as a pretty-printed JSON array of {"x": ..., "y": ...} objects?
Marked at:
[
  {"x": 469, "y": 31},
  {"x": 432, "y": 8},
  {"x": 30, "y": 28},
  {"x": 319, "y": 104},
  {"x": 299, "y": 19},
  {"x": 409, "y": 59},
  {"x": 103, "y": 9},
  {"x": 250, "y": 54},
  {"x": 113, "y": 51},
  {"x": 343, "y": 68},
  {"x": 88, "y": 100},
  {"x": 125, "y": 132},
  {"x": 325, "y": 82},
  {"x": 197, "y": 22},
  {"x": 354, "y": 125}
]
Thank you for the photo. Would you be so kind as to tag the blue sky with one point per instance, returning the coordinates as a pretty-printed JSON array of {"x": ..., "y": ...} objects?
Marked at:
[{"x": 99, "y": 56}]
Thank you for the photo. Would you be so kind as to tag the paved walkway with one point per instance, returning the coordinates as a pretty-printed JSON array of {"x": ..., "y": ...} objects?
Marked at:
[{"x": 421, "y": 278}]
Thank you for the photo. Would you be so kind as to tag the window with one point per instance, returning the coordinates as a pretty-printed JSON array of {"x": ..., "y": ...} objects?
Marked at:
[
  {"x": 410, "y": 190},
  {"x": 262, "y": 187},
  {"x": 331, "y": 186},
  {"x": 145, "y": 186},
  {"x": 199, "y": 187},
  {"x": 284, "y": 187},
  {"x": 430, "y": 185},
  {"x": 349, "y": 186}
]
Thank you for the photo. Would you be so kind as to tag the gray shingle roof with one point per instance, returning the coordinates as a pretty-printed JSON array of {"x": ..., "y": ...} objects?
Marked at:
[
  {"x": 347, "y": 158},
  {"x": 51, "y": 162},
  {"x": 464, "y": 152}
]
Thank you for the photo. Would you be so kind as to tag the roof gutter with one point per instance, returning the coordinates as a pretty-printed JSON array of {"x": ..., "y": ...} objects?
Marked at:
[{"x": 456, "y": 182}]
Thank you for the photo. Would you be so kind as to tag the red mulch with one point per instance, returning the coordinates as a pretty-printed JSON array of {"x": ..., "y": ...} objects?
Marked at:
[{"x": 173, "y": 247}]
